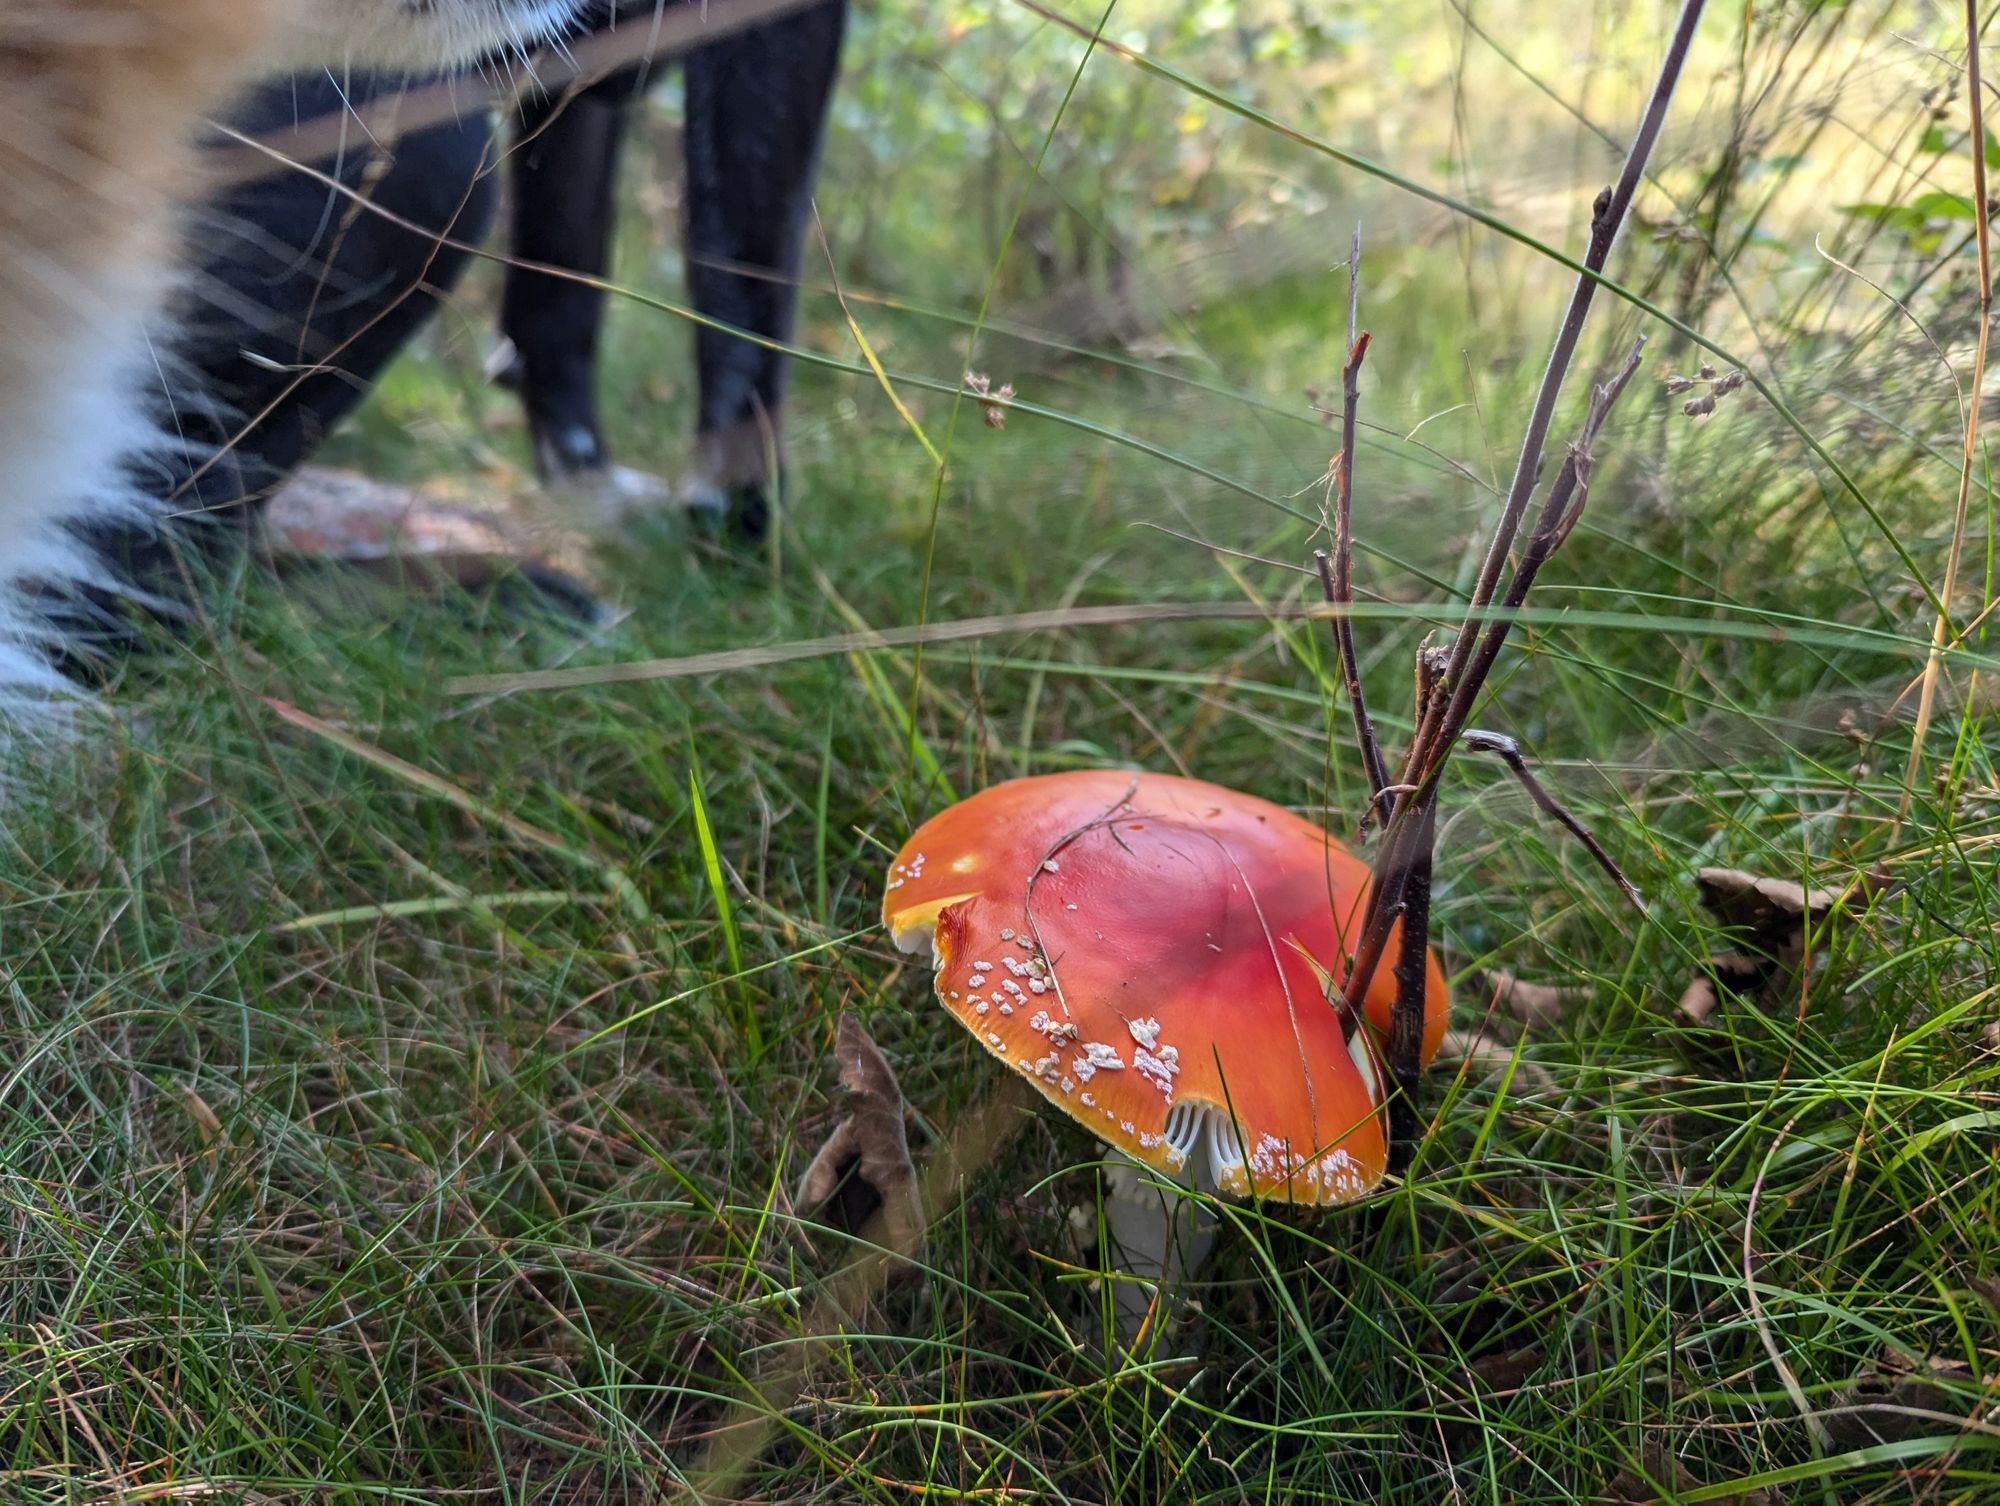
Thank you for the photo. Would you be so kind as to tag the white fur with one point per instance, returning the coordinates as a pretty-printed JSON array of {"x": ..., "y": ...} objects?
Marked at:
[
  {"x": 64, "y": 449},
  {"x": 408, "y": 34},
  {"x": 70, "y": 441}
]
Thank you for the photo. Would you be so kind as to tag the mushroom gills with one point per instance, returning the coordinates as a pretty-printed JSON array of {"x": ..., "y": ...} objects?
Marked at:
[
  {"x": 914, "y": 929},
  {"x": 1193, "y": 1125}
]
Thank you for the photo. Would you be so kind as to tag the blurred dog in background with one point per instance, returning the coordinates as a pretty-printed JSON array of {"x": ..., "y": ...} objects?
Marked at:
[
  {"x": 100, "y": 104},
  {"x": 142, "y": 384}
]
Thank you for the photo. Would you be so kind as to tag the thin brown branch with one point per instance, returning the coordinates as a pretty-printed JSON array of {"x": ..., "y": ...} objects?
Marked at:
[
  {"x": 1372, "y": 760},
  {"x": 1337, "y": 577},
  {"x": 1407, "y": 840},
  {"x": 1397, "y": 856},
  {"x": 1509, "y": 753},
  {"x": 1560, "y": 512},
  {"x": 1429, "y": 748}
]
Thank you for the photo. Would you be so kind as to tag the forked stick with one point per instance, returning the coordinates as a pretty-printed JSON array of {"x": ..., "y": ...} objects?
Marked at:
[
  {"x": 1427, "y": 749},
  {"x": 1406, "y": 846},
  {"x": 1402, "y": 869}
]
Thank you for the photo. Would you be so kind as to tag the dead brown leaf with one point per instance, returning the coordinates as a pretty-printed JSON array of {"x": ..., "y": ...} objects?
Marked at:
[
  {"x": 1699, "y": 1000},
  {"x": 1629, "y": 1488},
  {"x": 1765, "y": 905},
  {"x": 1776, "y": 912},
  {"x": 1494, "y": 1056},
  {"x": 1492, "y": 1377},
  {"x": 1533, "y": 1004},
  {"x": 206, "y": 1121},
  {"x": 417, "y": 540},
  {"x": 1704, "y": 992},
  {"x": 1773, "y": 918},
  {"x": 1896, "y": 1398},
  {"x": 864, "y": 1168},
  {"x": 1507, "y": 1370},
  {"x": 1987, "y": 1289}
]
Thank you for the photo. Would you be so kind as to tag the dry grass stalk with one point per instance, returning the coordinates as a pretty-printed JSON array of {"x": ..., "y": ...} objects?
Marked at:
[{"x": 1941, "y": 632}]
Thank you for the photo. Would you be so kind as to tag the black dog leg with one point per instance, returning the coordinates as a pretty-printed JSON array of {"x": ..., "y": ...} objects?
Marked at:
[
  {"x": 756, "y": 112},
  {"x": 564, "y": 171},
  {"x": 301, "y": 297},
  {"x": 305, "y": 295}
]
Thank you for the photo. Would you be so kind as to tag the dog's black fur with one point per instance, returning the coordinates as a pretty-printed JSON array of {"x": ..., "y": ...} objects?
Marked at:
[{"x": 304, "y": 295}]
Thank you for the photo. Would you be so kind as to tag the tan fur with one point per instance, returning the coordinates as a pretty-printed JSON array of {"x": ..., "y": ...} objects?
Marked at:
[{"x": 99, "y": 102}]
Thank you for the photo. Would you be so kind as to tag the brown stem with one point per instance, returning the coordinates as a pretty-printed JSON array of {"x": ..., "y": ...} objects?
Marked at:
[
  {"x": 1412, "y": 972},
  {"x": 1415, "y": 858},
  {"x": 1337, "y": 576},
  {"x": 1509, "y": 752},
  {"x": 1398, "y": 852},
  {"x": 1429, "y": 747}
]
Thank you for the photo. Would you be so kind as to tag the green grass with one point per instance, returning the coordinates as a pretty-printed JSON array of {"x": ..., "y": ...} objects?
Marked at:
[{"x": 404, "y": 1101}]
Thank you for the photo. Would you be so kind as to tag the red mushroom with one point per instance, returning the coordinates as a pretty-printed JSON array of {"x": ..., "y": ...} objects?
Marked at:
[{"x": 1153, "y": 954}]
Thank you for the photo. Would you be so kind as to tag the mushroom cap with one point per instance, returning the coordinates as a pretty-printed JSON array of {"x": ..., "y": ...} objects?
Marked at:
[{"x": 1148, "y": 951}]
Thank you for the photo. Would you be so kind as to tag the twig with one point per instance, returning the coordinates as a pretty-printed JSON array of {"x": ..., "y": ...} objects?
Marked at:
[
  {"x": 1428, "y": 749},
  {"x": 1337, "y": 576},
  {"x": 1379, "y": 788},
  {"x": 1509, "y": 752},
  {"x": 1941, "y": 633},
  {"x": 1406, "y": 843},
  {"x": 1560, "y": 512},
  {"x": 1412, "y": 968},
  {"x": 1398, "y": 856}
]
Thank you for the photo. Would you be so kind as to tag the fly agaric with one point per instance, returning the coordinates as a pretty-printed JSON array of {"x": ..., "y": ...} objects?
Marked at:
[{"x": 1154, "y": 955}]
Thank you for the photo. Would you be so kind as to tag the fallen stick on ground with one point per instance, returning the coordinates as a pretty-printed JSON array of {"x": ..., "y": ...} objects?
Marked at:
[{"x": 742, "y": 1438}]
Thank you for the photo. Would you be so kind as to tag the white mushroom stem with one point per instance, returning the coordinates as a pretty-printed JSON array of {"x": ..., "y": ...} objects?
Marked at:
[
  {"x": 1158, "y": 1232},
  {"x": 1157, "y": 1236}
]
